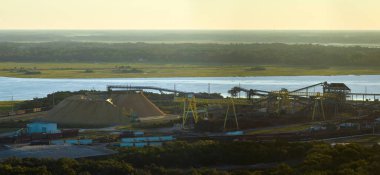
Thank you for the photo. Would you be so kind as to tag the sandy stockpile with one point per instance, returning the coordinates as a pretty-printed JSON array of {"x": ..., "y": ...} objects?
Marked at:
[
  {"x": 136, "y": 103},
  {"x": 86, "y": 110}
]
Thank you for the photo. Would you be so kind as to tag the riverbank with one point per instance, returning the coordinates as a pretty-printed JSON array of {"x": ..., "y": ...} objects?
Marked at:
[{"x": 127, "y": 70}]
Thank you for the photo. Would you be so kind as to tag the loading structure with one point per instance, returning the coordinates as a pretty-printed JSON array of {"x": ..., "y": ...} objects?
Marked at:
[
  {"x": 333, "y": 95},
  {"x": 190, "y": 103},
  {"x": 332, "y": 98},
  {"x": 250, "y": 93},
  {"x": 111, "y": 88}
]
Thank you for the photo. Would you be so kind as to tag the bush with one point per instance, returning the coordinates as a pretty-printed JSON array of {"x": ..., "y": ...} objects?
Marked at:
[
  {"x": 88, "y": 71},
  {"x": 29, "y": 72},
  {"x": 127, "y": 69},
  {"x": 257, "y": 68}
]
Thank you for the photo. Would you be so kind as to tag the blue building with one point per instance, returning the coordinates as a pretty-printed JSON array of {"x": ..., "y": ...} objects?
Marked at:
[
  {"x": 145, "y": 141},
  {"x": 42, "y": 127}
]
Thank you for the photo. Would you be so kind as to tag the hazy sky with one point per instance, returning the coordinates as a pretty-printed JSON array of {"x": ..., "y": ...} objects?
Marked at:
[{"x": 190, "y": 14}]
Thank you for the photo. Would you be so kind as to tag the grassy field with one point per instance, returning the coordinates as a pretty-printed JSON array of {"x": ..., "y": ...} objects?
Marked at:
[
  {"x": 7, "y": 105},
  {"x": 110, "y": 70}
]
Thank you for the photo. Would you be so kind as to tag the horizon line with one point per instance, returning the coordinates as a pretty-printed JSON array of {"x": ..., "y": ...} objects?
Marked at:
[{"x": 93, "y": 29}]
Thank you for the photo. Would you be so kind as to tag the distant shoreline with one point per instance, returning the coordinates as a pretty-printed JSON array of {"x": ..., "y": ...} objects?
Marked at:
[
  {"x": 130, "y": 70},
  {"x": 364, "y": 38}
]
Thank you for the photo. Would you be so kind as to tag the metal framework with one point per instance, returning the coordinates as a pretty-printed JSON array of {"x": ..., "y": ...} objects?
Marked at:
[
  {"x": 332, "y": 97},
  {"x": 141, "y": 88},
  {"x": 277, "y": 101},
  {"x": 249, "y": 92},
  {"x": 318, "y": 104},
  {"x": 190, "y": 106}
]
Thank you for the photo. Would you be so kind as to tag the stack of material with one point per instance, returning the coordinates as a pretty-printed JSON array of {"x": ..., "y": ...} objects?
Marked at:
[
  {"x": 86, "y": 110},
  {"x": 136, "y": 103},
  {"x": 95, "y": 110}
]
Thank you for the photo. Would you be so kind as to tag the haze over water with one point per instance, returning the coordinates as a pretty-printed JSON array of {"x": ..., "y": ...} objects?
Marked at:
[{"x": 337, "y": 38}]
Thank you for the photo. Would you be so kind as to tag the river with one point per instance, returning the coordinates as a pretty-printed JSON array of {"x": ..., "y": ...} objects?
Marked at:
[{"x": 29, "y": 88}]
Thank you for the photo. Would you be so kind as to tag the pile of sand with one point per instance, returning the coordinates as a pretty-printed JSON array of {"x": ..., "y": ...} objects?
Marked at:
[
  {"x": 85, "y": 110},
  {"x": 136, "y": 103},
  {"x": 97, "y": 110}
]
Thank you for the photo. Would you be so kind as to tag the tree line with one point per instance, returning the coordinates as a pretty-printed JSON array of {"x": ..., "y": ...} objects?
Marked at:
[
  {"x": 200, "y": 157},
  {"x": 190, "y": 53}
]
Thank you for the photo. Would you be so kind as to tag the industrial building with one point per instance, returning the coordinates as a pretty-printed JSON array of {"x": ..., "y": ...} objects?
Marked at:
[
  {"x": 42, "y": 127},
  {"x": 145, "y": 141}
]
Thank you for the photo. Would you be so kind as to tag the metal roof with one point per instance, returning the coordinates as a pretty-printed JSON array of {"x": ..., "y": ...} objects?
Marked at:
[{"x": 340, "y": 86}]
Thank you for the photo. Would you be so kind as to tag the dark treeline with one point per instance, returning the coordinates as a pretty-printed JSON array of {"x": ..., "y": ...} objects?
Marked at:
[
  {"x": 274, "y": 54},
  {"x": 202, "y": 157}
]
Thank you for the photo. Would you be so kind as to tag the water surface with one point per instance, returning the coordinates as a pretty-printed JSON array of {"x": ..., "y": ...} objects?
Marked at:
[{"x": 28, "y": 88}]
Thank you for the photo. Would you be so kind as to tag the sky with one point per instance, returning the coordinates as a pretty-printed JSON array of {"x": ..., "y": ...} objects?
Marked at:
[{"x": 191, "y": 14}]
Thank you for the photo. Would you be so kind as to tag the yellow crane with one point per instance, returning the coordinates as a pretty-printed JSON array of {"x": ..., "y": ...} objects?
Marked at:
[{"x": 190, "y": 105}]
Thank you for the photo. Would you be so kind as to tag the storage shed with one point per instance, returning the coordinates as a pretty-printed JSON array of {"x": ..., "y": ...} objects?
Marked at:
[{"x": 42, "y": 127}]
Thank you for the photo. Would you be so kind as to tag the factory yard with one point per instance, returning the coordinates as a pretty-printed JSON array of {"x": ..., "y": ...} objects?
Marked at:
[
  {"x": 223, "y": 99},
  {"x": 130, "y": 128},
  {"x": 55, "y": 151},
  {"x": 83, "y": 125}
]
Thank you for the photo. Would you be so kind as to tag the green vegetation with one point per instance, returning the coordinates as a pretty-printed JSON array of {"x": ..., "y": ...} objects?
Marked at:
[
  {"x": 212, "y": 153},
  {"x": 213, "y": 157},
  {"x": 25, "y": 71},
  {"x": 257, "y": 68},
  {"x": 88, "y": 71},
  {"x": 6, "y": 106},
  {"x": 99, "y": 60},
  {"x": 109, "y": 70},
  {"x": 126, "y": 69},
  {"x": 205, "y": 54},
  {"x": 339, "y": 37}
]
